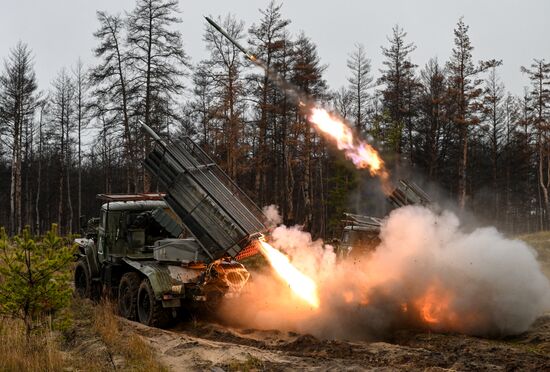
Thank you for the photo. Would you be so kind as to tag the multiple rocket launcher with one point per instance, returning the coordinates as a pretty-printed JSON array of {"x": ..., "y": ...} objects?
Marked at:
[{"x": 215, "y": 210}]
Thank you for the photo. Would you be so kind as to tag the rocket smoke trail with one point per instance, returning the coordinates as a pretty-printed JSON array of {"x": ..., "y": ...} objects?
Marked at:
[
  {"x": 362, "y": 154},
  {"x": 291, "y": 90}
]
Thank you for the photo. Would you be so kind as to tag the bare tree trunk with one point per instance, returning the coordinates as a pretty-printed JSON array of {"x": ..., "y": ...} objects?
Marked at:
[
  {"x": 308, "y": 216},
  {"x": 232, "y": 147},
  {"x": 14, "y": 222},
  {"x": 289, "y": 187},
  {"x": 146, "y": 177},
  {"x": 462, "y": 167},
  {"x": 544, "y": 185},
  {"x": 288, "y": 180},
  {"x": 61, "y": 166},
  {"x": 18, "y": 191},
  {"x": 68, "y": 177},
  {"x": 79, "y": 87},
  {"x": 39, "y": 176},
  {"x": 28, "y": 164},
  {"x": 262, "y": 149},
  {"x": 322, "y": 213}
]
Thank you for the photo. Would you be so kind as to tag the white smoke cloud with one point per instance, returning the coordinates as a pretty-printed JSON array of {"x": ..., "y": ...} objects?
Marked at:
[
  {"x": 426, "y": 273},
  {"x": 272, "y": 214}
]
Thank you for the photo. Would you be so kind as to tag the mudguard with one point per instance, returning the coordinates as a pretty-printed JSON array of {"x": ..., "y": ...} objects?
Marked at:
[
  {"x": 165, "y": 278},
  {"x": 171, "y": 280},
  {"x": 158, "y": 275},
  {"x": 88, "y": 251}
]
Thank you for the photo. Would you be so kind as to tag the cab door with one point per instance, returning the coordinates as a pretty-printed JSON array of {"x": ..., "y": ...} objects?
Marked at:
[{"x": 101, "y": 236}]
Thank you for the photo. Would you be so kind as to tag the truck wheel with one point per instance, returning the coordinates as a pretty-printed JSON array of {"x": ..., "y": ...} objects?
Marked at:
[
  {"x": 127, "y": 295},
  {"x": 82, "y": 280},
  {"x": 213, "y": 301},
  {"x": 150, "y": 310}
]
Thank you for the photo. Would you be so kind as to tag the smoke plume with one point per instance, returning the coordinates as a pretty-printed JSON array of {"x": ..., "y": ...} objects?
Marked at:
[
  {"x": 272, "y": 215},
  {"x": 426, "y": 273}
]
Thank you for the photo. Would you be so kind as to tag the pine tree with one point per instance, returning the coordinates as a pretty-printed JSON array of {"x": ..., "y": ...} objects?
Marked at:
[
  {"x": 432, "y": 121},
  {"x": 111, "y": 81},
  {"x": 202, "y": 107},
  {"x": 493, "y": 115},
  {"x": 539, "y": 74},
  {"x": 464, "y": 92},
  {"x": 35, "y": 276},
  {"x": 158, "y": 63},
  {"x": 225, "y": 66},
  {"x": 61, "y": 127},
  {"x": 268, "y": 41},
  {"x": 81, "y": 107},
  {"x": 17, "y": 104},
  {"x": 307, "y": 75},
  {"x": 396, "y": 78},
  {"x": 360, "y": 81}
]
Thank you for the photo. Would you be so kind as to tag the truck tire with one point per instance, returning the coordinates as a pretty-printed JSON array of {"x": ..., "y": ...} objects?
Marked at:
[
  {"x": 149, "y": 309},
  {"x": 127, "y": 295},
  {"x": 82, "y": 279},
  {"x": 213, "y": 301}
]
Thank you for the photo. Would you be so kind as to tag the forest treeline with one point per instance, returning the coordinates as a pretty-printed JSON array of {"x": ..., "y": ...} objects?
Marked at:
[{"x": 451, "y": 123}]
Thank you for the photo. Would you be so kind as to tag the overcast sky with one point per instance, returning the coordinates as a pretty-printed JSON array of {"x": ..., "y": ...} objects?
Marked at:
[{"x": 60, "y": 31}]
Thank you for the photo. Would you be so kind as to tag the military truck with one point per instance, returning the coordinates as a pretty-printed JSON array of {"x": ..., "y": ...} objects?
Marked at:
[
  {"x": 360, "y": 234},
  {"x": 158, "y": 253}
]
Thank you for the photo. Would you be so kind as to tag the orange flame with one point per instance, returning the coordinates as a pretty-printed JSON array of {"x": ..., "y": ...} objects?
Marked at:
[
  {"x": 363, "y": 155},
  {"x": 434, "y": 306},
  {"x": 300, "y": 283}
]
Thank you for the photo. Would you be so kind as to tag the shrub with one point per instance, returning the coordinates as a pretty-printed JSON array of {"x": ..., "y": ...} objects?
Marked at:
[{"x": 35, "y": 277}]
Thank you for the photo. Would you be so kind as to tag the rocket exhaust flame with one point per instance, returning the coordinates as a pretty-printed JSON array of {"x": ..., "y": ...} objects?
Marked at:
[
  {"x": 302, "y": 285},
  {"x": 362, "y": 155}
]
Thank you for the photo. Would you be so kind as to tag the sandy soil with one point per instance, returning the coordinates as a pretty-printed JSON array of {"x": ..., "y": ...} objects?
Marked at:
[{"x": 208, "y": 346}]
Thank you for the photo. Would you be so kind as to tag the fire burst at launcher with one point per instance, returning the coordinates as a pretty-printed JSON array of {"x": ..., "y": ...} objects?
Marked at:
[{"x": 301, "y": 284}]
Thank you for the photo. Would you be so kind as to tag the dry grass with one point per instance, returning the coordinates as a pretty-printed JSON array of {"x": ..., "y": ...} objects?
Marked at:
[
  {"x": 41, "y": 352},
  {"x": 97, "y": 341},
  {"x": 250, "y": 364},
  {"x": 138, "y": 356},
  {"x": 541, "y": 242}
]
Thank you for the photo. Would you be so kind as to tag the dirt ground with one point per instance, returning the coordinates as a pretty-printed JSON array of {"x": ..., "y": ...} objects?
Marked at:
[
  {"x": 208, "y": 346},
  {"x": 202, "y": 345}
]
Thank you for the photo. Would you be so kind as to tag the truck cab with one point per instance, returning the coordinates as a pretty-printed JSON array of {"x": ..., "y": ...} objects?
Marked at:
[{"x": 130, "y": 228}]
